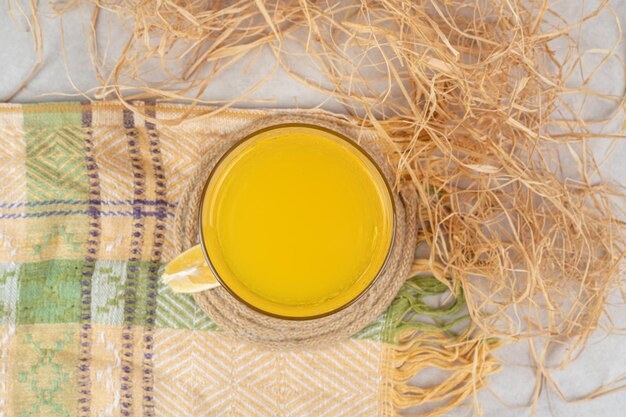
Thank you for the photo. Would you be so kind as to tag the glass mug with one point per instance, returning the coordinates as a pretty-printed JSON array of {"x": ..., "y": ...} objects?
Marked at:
[{"x": 296, "y": 221}]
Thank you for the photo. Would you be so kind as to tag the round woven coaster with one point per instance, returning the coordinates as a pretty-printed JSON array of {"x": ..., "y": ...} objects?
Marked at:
[{"x": 244, "y": 323}]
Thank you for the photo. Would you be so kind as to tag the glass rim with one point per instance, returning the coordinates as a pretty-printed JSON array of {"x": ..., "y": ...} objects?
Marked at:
[{"x": 313, "y": 126}]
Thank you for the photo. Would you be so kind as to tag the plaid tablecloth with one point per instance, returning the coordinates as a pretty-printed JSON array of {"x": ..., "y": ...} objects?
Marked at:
[{"x": 87, "y": 197}]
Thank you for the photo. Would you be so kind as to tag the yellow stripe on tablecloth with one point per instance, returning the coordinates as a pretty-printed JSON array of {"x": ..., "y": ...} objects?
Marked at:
[
  {"x": 42, "y": 380},
  {"x": 7, "y": 353},
  {"x": 206, "y": 373},
  {"x": 199, "y": 373},
  {"x": 65, "y": 236},
  {"x": 12, "y": 157},
  {"x": 43, "y": 238}
]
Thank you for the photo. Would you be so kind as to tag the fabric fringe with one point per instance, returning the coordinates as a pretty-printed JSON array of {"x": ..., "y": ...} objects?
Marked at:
[{"x": 422, "y": 336}]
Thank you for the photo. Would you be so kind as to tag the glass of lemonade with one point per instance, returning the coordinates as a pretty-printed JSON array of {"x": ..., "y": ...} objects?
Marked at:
[{"x": 296, "y": 221}]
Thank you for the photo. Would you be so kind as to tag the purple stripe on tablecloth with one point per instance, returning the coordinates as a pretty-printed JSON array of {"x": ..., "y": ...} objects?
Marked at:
[
  {"x": 138, "y": 214},
  {"x": 84, "y": 368},
  {"x": 85, "y": 202},
  {"x": 155, "y": 258},
  {"x": 133, "y": 270}
]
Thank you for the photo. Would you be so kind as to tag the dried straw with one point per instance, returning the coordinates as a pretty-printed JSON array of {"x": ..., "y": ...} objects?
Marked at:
[
  {"x": 473, "y": 103},
  {"x": 33, "y": 26}
]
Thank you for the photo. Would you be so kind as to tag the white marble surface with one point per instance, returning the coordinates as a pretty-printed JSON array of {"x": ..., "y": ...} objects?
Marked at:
[{"x": 603, "y": 360}]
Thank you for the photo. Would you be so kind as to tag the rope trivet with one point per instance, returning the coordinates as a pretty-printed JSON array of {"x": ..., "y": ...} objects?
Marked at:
[{"x": 246, "y": 324}]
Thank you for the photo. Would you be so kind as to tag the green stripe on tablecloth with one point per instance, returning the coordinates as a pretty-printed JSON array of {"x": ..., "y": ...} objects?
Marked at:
[
  {"x": 55, "y": 156},
  {"x": 49, "y": 292},
  {"x": 57, "y": 116}
]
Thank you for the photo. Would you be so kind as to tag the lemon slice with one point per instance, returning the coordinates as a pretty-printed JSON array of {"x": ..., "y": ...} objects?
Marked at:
[{"x": 188, "y": 272}]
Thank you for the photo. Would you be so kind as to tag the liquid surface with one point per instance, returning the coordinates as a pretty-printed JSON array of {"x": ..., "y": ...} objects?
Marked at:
[{"x": 297, "y": 221}]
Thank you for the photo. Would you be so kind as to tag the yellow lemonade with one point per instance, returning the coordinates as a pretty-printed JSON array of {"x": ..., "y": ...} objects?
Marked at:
[{"x": 296, "y": 221}]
